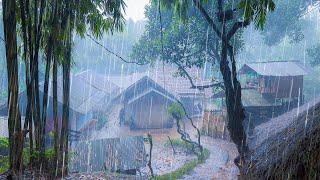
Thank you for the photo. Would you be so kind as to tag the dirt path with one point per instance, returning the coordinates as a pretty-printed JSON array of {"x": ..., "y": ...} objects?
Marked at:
[{"x": 220, "y": 163}]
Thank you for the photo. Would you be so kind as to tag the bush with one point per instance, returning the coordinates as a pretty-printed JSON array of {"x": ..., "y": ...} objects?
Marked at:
[
  {"x": 4, "y": 142},
  {"x": 4, "y": 146},
  {"x": 176, "y": 111}
]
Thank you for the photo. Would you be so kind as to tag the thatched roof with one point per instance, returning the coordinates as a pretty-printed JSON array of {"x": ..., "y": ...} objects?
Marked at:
[{"x": 279, "y": 147}]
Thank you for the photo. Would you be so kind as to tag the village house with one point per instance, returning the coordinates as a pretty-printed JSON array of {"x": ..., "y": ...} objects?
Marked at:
[
  {"x": 89, "y": 93},
  {"x": 148, "y": 95},
  {"x": 271, "y": 88}
]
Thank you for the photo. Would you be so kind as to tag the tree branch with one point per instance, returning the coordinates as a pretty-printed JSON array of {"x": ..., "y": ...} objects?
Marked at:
[
  {"x": 236, "y": 26},
  {"x": 113, "y": 53},
  {"x": 193, "y": 86},
  {"x": 185, "y": 136}
]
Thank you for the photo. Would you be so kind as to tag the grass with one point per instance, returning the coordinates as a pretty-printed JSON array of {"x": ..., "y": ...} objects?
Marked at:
[
  {"x": 178, "y": 143},
  {"x": 186, "y": 168}
]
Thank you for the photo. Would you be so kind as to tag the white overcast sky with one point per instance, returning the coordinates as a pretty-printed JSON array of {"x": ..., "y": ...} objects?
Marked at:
[{"x": 135, "y": 9}]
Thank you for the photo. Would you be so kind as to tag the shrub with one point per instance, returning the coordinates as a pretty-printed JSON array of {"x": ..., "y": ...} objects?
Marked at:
[
  {"x": 176, "y": 111},
  {"x": 4, "y": 142}
]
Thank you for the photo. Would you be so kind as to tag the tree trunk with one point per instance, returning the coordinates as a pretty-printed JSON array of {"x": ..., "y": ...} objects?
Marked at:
[
  {"x": 14, "y": 119},
  {"x": 45, "y": 94},
  {"x": 65, "y": 113},
  {"x": 27, "y": 57},
  {"x": 232, "y": 86},
  {"x": 38, "y": 15},
  {"x": 55, "y": 31},
  {"x": 55, "y": 110}
]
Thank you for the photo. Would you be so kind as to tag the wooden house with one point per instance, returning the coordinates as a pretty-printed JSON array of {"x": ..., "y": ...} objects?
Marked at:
[
  {"x": 271, "y": 88},
  {"x": 148, "y": 95},
  {"x": 276, "y": 79}
]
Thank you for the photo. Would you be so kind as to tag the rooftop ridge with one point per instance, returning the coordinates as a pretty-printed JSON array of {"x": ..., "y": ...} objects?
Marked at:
[{"x": 272, "y": 61}]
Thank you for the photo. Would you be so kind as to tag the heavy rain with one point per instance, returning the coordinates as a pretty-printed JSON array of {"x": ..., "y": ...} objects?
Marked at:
[{"x": 160, "y": 89}]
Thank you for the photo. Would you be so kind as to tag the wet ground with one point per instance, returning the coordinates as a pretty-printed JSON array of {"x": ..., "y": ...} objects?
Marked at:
[
  {"x": 218, "y": 166},
  {"x": 165, "y": 161}
]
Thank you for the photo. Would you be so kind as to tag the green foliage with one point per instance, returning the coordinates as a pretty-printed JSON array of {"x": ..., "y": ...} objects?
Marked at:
[
  {"x": 99, "y": 15},
  {"x": 252, "y": 10},
  {"x": 176, "y": 110},
  {"x": 314, "y": 53},
  {"x": 286, "y": 21},
  {"x": 256, "y": 11},
  {"x": 191, "y": 43},
  {"x": 48, "y": 154},
  {"x": 4, "y": 142}
]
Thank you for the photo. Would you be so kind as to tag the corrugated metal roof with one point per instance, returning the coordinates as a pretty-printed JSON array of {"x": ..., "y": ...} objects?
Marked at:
[{"x": 277, "y": 68}]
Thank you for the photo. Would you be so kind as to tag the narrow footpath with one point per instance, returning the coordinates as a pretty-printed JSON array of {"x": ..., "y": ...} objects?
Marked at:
[{"x": 219, "y": 165}]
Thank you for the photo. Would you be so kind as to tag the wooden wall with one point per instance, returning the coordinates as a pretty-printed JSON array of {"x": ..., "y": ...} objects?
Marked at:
[
  {"x": 281, "y": 87},
  {"x": 148, "y": 112}
]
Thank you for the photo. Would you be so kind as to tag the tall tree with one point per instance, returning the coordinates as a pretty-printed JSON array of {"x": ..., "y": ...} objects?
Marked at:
[
  {"x": 14, "y": 119},
  {"x": 228, "y": 18},
  {"x": 75, "y": 17},
  {"x": 31, "y": 18}
]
